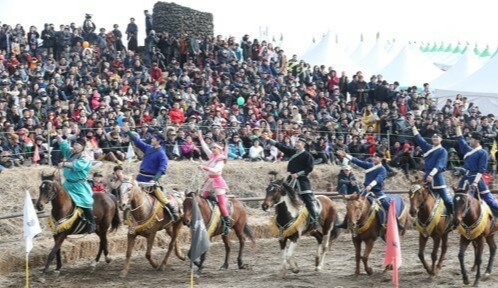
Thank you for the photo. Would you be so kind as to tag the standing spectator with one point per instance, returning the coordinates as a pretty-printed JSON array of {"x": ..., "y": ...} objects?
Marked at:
[
  {"x": 149, "y": 24},
  {"x": 132, "y": 32}
]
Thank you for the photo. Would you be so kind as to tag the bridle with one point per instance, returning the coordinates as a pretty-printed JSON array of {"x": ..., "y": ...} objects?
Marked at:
[
  {"x": 274, "y": 188},
  {"x": 417, "y": 189},
  {"x": 128, "y": 205},
  {"x": 52, "y": 190},
  {"x": 467, "y": 205}
]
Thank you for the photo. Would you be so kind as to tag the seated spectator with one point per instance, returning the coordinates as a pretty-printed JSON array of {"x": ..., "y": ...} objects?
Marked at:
[
  {"x": 235, "y": 148},
  {"x": 256, "y": 152},
  {"x": 97, "y": 183},
  {"x": 346, "y": 182},
  {"x": 190, "y": 150}
]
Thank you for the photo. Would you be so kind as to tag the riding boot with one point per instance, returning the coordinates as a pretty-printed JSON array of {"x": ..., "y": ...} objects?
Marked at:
[
  {"x": 344, "y": 224},
  {"x": 226, "y": 225},
  {"x": 90, "y": 219},
  {"x": 173, "y": 211},
  {"x": 313, "y": 217}
]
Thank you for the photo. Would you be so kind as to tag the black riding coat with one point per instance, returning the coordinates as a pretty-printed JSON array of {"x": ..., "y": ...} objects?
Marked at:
[{"x": 300, "y": 163}]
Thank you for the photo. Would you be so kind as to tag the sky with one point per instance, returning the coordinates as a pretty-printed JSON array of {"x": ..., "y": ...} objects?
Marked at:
[{"x": 298, "y": 21}]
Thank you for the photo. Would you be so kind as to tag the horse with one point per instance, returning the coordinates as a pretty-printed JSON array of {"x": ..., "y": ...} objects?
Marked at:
[
  {"x": 427, "y": 209},
  {"x": 291, "y": 222},
  {"x": 365, "y": 227},
  {"x": 105, "y": 209},
  {"x": 238, "y": 224},
  {"x": 475, "y": 223},
  {"x": 149, "y": 214}
]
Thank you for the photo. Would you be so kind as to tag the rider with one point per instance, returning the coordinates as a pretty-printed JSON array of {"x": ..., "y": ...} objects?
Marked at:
[
  {"x": 375, "y": 175},
  {"x": 214, "y": 167},
  {"x": 435, "y": 157},
  {"x": 153, "y": 166},
  {"x": 475, "y": 163},
  {"x": 300, "y": 166},
  {"x": 76, "y": 168}
]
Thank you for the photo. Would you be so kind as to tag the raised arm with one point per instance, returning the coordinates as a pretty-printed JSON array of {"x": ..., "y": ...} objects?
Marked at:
[
  {"x": 362, "y": 164},
  {"x": 284, "y": 149},
  {"x": 139, "y": 143},
  {"x": 462, "y": 144},
  {"x": 204, "y": 146}
]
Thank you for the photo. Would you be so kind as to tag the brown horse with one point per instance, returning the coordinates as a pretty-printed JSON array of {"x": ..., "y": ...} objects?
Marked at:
[
  {"x": 104, "y": 208},
  {"x": 365, "y": 227},
  {"x": 427, "y": 208},
  {"x": 238, "y": 224},
  {"x": 149, "y": 217},
  {"x": 475, "y": 224},
  {"x": 293, "y": 223}
]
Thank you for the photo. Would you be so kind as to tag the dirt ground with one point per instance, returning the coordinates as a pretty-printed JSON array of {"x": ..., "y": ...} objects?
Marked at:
[{"x": 264, "y": 266}]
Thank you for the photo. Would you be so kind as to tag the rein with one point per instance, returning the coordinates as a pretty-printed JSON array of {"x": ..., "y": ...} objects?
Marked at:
[
  {"x": 52, "y": 196},
  {"x": 467, "y": 206}
]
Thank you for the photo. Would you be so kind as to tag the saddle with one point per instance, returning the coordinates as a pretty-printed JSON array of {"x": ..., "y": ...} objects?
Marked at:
[
  {"x": 68, "y": 222},
  {"x": 215, "y": 220}
]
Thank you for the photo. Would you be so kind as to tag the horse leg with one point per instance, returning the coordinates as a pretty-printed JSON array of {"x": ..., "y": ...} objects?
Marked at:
[
  {"x": 59, "y": 239},
  {"x": 475, "y": 256},
  {"x": 478, "y": 259},
  {"x": 200, "y": 265},
  {"x": 150, "y": 243},
  {"x": 227, "y": 243},
  {"x": 368, "y": 249},
  {"x": 422, "y": 242},
  {"x": 283, "y": 244},
  {"x": 173, "y": 244},
  {"x": 129, "y": 251},
  {"x": 492, "y": 251},
  {"x": 319, "y": 249},
  {"x": 94, "y": 262},
  {"x": 357, "y": 248},
  {"x": 242, "y": 241},
  {"x": 290, "y": 256},
  {"x": 464, "y": 243},
  {"x": 175, "y": 232},
  {"x": 444, "y": 248},
  {"x": 436, "y": 242}
]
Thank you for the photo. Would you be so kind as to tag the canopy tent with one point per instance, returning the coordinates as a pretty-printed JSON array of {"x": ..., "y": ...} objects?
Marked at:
[
  {"x": 326, "y": 52},
  {"x": 410, "y": 68},
  {"x": 476, "y": 50},
  {"x": 465, "y": 66},
  {"x": 360, "y": 52},
  {"x": 485, "y": 53},
  {"x": 376, "y": 59},
  {"x": 480, "y": 87}
]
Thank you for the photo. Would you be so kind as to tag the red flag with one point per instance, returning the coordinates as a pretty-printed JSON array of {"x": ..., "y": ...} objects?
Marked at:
[
  {"x": 393, "y": 248},
  {"x": 36, "y": 155}
]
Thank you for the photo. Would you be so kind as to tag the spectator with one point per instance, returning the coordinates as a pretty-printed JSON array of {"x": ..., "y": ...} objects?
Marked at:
[{"x": 256, "y": 152}]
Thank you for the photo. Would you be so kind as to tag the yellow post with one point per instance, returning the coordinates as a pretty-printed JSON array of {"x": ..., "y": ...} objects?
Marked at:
[{"x": 27, "y": 270}]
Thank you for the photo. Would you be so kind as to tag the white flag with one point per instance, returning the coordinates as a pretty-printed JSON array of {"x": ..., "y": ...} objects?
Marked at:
[
  {"x": 130, "y": 153},
  {"x": 31, "y": 223}
]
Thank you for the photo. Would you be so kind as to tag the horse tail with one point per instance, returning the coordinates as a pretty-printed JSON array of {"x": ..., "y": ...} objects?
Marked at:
[
  {"x": 335, "y": 231},
  {"x": 116, "y": 221},
  {"x": 248, "y": 232}
]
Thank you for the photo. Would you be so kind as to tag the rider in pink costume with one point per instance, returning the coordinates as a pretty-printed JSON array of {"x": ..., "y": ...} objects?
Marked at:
[{"x": 215, "y": 182}]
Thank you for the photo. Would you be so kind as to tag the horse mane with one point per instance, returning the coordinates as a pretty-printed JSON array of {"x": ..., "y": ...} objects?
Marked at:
[{"x": 291, "y": 192}]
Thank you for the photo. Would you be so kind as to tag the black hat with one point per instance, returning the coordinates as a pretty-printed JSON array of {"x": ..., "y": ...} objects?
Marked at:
[
  {"x": 476, "y": 136},
  {"x": 301, "y": 138},
  {"x": 81, "y": 141},
  {"x": 378, "y": 154},
  {"x": 97, "y": 174},
  {"x": 159, "y": 137}
]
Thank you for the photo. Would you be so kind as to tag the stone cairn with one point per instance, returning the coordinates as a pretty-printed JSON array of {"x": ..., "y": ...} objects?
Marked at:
[{"x": 180, "y": 20}]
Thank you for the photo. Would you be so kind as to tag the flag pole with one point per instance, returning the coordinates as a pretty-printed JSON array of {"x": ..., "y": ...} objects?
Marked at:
[
  {"x": 191, "y": 275},
  {"x": 27, "y": 269}
]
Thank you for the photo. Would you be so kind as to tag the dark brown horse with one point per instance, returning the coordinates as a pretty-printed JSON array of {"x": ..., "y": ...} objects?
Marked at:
[
  {"x": 104, "y": 207},
  {"x": 148, "y": 218},
  {"x": 475, "y": 224},
  {"x": 427, "y": 209},
  {"x": 238, "y": 224},
  {"x": 292, "y": 225},
  {"x": 365, "y": 227}
]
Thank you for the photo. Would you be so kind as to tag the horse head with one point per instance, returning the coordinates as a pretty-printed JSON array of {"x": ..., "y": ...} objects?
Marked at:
[
  {"x": 354, "y": 208},
  {"x": 128, "y": 184},
  {"x": 417, "y": 194},
  {"x": 47, "y": 188},
  {"x": 462, "y": 203},
  {"x": 274, "y": 191},
  {"x": 187, "y": 206}
]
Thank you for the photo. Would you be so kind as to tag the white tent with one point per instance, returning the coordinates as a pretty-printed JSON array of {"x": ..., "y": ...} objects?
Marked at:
[
  {"x": 410, "y": 68},
  {"x": 361, "y": 51},
  {"x": 327, "y": 53},
  {"x": 480, "y": 88},
  {"x": 466, "y": 65},
  {"x": 376, "y": 59}
]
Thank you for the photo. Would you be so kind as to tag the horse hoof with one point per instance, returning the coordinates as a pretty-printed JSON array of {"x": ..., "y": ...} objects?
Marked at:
[
  {"x": 466, "y": 281},
  {"x": 295, "y": 270},
  {"x": 161, "y": 268},
  {"x": 476, "y": 284},
  {"x": 123, "y": 274},
  {"x": 369, "y": 271},
  {"x": 197, "y": 274},
  {"x": 224, "y": 267},
  {"x": 42, "y": 280},
  {"x": 318, "y": 268},
  {"x": 108, "y": 260},
  {"x": 57, "y": 273},
  {"x": 486, "y": 276},
  {"x": 356, "y": 277},
  {"x": 243, "y": 266}
]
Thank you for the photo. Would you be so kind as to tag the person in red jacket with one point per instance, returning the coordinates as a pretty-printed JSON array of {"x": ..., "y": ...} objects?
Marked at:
[
  {"x": 156, "y": 73},
  {"x": 97, "y": 183},
  {"x": 176, "y": 114}
]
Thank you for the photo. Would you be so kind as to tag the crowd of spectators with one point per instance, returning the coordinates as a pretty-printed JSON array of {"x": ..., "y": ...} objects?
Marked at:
[{"x": 80, "y": 82}]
